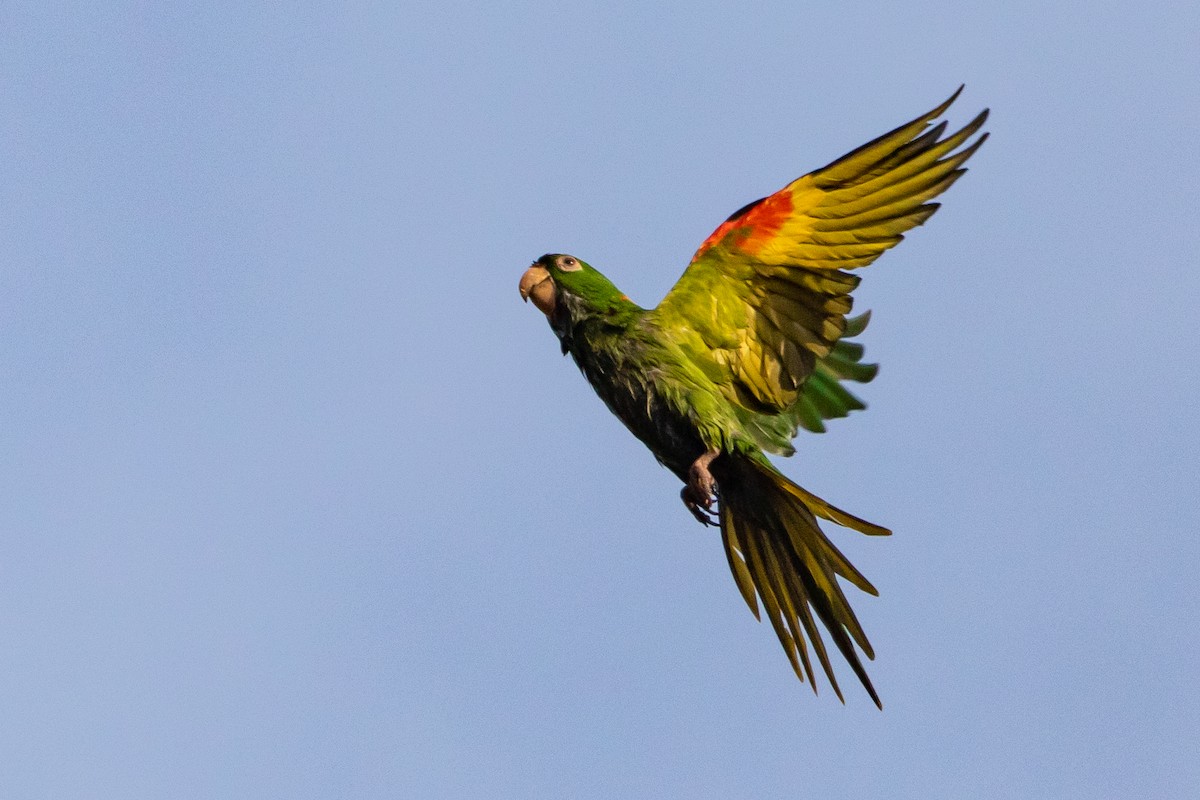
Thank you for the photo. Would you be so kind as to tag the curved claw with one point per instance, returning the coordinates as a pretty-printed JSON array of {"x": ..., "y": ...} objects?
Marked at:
[
  {"x": 701, "y": 508},
  {"x": 701, "y": 489}
]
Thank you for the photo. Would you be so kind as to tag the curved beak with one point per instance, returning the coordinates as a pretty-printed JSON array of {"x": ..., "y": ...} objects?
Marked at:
[{"x": 536, "y": 286}]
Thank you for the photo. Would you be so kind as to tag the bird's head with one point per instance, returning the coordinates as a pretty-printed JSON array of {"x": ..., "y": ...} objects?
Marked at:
[{"x": 557, "y": 282}]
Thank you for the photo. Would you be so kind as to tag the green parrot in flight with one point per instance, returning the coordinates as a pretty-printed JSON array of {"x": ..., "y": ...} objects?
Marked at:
[{"x": 752, "y": 343}]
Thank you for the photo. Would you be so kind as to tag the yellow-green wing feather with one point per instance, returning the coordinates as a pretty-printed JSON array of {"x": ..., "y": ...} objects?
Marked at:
[{"x": 763, "y": 303}]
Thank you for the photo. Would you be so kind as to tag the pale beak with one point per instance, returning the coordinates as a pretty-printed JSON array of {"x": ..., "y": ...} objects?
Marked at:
[{"x": 537, "y": 286}]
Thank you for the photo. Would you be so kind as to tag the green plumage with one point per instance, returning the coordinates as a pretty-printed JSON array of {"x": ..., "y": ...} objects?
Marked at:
[{"x": 753, "y": 343}]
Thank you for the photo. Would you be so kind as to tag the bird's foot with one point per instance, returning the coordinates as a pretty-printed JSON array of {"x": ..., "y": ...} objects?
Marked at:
[{"x": 700, "y": 492}]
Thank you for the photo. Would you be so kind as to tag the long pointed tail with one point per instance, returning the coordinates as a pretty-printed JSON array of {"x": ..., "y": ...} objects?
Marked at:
[{"x": 777, "y": 550}]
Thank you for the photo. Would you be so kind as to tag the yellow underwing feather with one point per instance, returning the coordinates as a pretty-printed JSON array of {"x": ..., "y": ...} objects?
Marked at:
[{"x": 776, "y": 270}]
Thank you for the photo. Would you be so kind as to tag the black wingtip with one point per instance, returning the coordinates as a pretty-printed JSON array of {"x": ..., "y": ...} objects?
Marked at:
[{"x": 937, "y": 112}]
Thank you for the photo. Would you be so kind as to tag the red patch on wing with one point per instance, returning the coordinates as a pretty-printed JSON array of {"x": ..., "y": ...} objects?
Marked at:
[{"x": 751, "y": 231}]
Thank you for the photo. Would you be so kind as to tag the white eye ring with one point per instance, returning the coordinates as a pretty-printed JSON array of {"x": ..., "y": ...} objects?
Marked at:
[{"x": 569, "y": 264}]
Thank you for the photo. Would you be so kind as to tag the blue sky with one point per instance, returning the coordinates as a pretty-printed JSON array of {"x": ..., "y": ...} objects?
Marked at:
[{"x": 301, "y": 501}]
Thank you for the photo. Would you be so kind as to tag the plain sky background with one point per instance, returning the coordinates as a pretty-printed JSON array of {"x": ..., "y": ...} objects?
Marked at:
[{"x": 300, "y": 500}]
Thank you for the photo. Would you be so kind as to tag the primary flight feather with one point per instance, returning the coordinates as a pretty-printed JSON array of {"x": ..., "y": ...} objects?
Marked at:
[{"x": 752, "y": 343}]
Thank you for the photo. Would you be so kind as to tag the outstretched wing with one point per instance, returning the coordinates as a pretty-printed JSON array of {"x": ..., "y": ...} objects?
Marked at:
[{"x": 765, "y": 298}]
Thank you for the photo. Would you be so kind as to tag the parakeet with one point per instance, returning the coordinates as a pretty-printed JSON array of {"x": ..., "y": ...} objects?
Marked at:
[{"x": 752, "y": 343}]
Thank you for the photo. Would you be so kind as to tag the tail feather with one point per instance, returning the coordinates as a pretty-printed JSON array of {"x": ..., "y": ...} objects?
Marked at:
[
  {"x": 734, "y": 552},
  {"x": 780, "y": 609},
  {"x": 778, "y": 552},
  {"x": 832, "y": 513}
]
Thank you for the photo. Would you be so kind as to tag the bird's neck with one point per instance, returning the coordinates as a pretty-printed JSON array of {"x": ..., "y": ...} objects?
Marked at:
[{"x": 578, "y": 318}]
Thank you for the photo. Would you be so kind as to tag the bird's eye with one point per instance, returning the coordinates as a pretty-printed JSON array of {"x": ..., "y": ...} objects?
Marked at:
[{"x": 569, "y": 264}]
